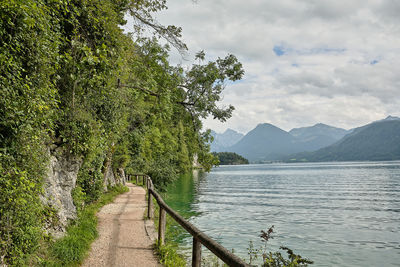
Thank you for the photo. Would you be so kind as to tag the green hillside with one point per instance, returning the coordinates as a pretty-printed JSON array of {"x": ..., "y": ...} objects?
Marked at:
[{"x": 230, "y": 158}]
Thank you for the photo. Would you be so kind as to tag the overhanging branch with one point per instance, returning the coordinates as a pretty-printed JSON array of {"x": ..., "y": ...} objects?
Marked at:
[{"x": 149, "y": 92}]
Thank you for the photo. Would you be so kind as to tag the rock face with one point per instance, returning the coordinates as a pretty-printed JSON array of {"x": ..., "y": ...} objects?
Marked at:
[
  {"x": 109, "y": 177},
  {"x": 196, "y": 163},
  {"x": 121, "y": 176},
  {"x": 61, "y": 179}
]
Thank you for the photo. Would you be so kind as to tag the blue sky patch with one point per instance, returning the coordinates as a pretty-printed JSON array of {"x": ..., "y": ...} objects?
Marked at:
[
  {"x": 279, "y": 50},
  {"x": 325, "y": 50}
]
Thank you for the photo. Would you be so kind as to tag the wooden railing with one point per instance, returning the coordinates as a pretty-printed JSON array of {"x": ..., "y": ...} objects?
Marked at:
[{"x": 199, "y": 238}]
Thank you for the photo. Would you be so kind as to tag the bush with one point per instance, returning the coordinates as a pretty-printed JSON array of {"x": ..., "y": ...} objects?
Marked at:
[{"x": 20, "y": 215}]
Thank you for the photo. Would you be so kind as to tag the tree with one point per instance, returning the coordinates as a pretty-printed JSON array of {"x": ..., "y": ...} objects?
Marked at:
[
  {"x": 71, "y": 79},
  {"x": 203, "y": 84}
]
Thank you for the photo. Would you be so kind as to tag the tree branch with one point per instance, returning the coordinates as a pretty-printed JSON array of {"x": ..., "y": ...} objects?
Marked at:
[
  {"x": 171, "y": 34},
  {"x": 141, "y": 89},
  {"x": 147, "y": 91},
  {"x": 186, "y": 103}
]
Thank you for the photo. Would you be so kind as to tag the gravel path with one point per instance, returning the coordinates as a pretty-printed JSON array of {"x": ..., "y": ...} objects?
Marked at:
[{"x": 122, "y": 237}]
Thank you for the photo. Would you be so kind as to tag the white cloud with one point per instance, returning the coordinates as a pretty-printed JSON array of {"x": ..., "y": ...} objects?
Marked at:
[{"x": 339, "y": 66}]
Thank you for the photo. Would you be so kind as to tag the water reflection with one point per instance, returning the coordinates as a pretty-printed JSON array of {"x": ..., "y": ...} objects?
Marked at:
[{"x": 181, "y": 196}]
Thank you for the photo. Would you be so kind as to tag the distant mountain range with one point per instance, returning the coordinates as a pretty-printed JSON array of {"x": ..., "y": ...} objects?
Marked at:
[
  {"x": 379, "y": 140},
  {"x": 226, "y": 139},
  {"x": 375, "y": 141}
]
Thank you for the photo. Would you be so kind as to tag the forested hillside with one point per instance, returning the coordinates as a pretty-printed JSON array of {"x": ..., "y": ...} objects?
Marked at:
[
  {"x": 230, "y": 158},
  {"x": 75, "y": 87},
  {"x": 375, "y": 141}
]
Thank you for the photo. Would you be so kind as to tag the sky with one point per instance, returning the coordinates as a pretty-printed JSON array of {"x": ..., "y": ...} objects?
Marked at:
[{"x": 305, "y": 61}]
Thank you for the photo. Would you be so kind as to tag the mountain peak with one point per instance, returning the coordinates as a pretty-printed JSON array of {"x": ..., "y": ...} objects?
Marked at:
[
  {"x": 321, "y": 125},
  {"x": 229, "y": 131},
  {"x": 265, "y": 126},
  {"x": 265, "y": 142},
  {"x": 391, "y": 118},
  {"x": 224, "y": 140},
  {"x": 318, "y": 135}
]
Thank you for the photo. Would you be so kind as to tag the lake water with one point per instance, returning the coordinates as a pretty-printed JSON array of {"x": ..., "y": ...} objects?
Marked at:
[{"x": 336, "y": 214}]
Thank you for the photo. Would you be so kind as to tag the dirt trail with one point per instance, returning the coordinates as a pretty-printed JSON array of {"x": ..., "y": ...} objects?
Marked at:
[{"x": 122, "y": 237}]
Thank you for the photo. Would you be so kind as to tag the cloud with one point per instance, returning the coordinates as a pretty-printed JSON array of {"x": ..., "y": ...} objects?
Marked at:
[{"x": 306, "y": 61}]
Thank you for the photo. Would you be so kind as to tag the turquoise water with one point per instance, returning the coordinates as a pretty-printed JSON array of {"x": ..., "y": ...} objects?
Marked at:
[{"x": 336, "y": 214}]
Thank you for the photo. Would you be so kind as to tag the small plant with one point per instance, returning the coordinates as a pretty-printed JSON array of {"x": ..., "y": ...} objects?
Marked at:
[
  {"x": 169, "y": 256},
  {"x": 253, "y": 252},
  {"x": 274, "y": 259}
]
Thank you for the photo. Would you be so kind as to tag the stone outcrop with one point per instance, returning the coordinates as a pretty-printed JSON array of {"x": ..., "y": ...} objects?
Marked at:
[
  {"x": 121, "y": 176},
  {"x": 59, "y": 182},
  {"x": 61, "y": 179},
  {"x": 196, "y": 163},
  {"x": 109, "y": 177}
]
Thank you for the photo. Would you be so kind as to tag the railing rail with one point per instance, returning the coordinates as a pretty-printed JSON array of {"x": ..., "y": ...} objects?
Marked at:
[{"x": 199, "y": 238}]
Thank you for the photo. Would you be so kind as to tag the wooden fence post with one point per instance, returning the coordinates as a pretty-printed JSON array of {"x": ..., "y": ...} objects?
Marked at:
[
  {"x": 149, "y": 205},
  {"x": 137, "y": 180},
  {"x": 196, "y": 253},
  {"x": 161, "y": 227}
]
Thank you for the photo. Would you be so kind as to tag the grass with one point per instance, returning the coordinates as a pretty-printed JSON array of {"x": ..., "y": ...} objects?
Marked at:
[
  {"x": 169, "y": 255},
  {"x": 74, "y": 246}
]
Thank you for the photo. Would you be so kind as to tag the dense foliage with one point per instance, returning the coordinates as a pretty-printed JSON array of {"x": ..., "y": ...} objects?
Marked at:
[
  {"x": 230, "y": 158},
  {"x": 70, "y": 77}
]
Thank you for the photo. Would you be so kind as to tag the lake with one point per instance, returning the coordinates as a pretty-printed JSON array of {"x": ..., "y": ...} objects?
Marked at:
[{"x": 336, "y": 214}]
